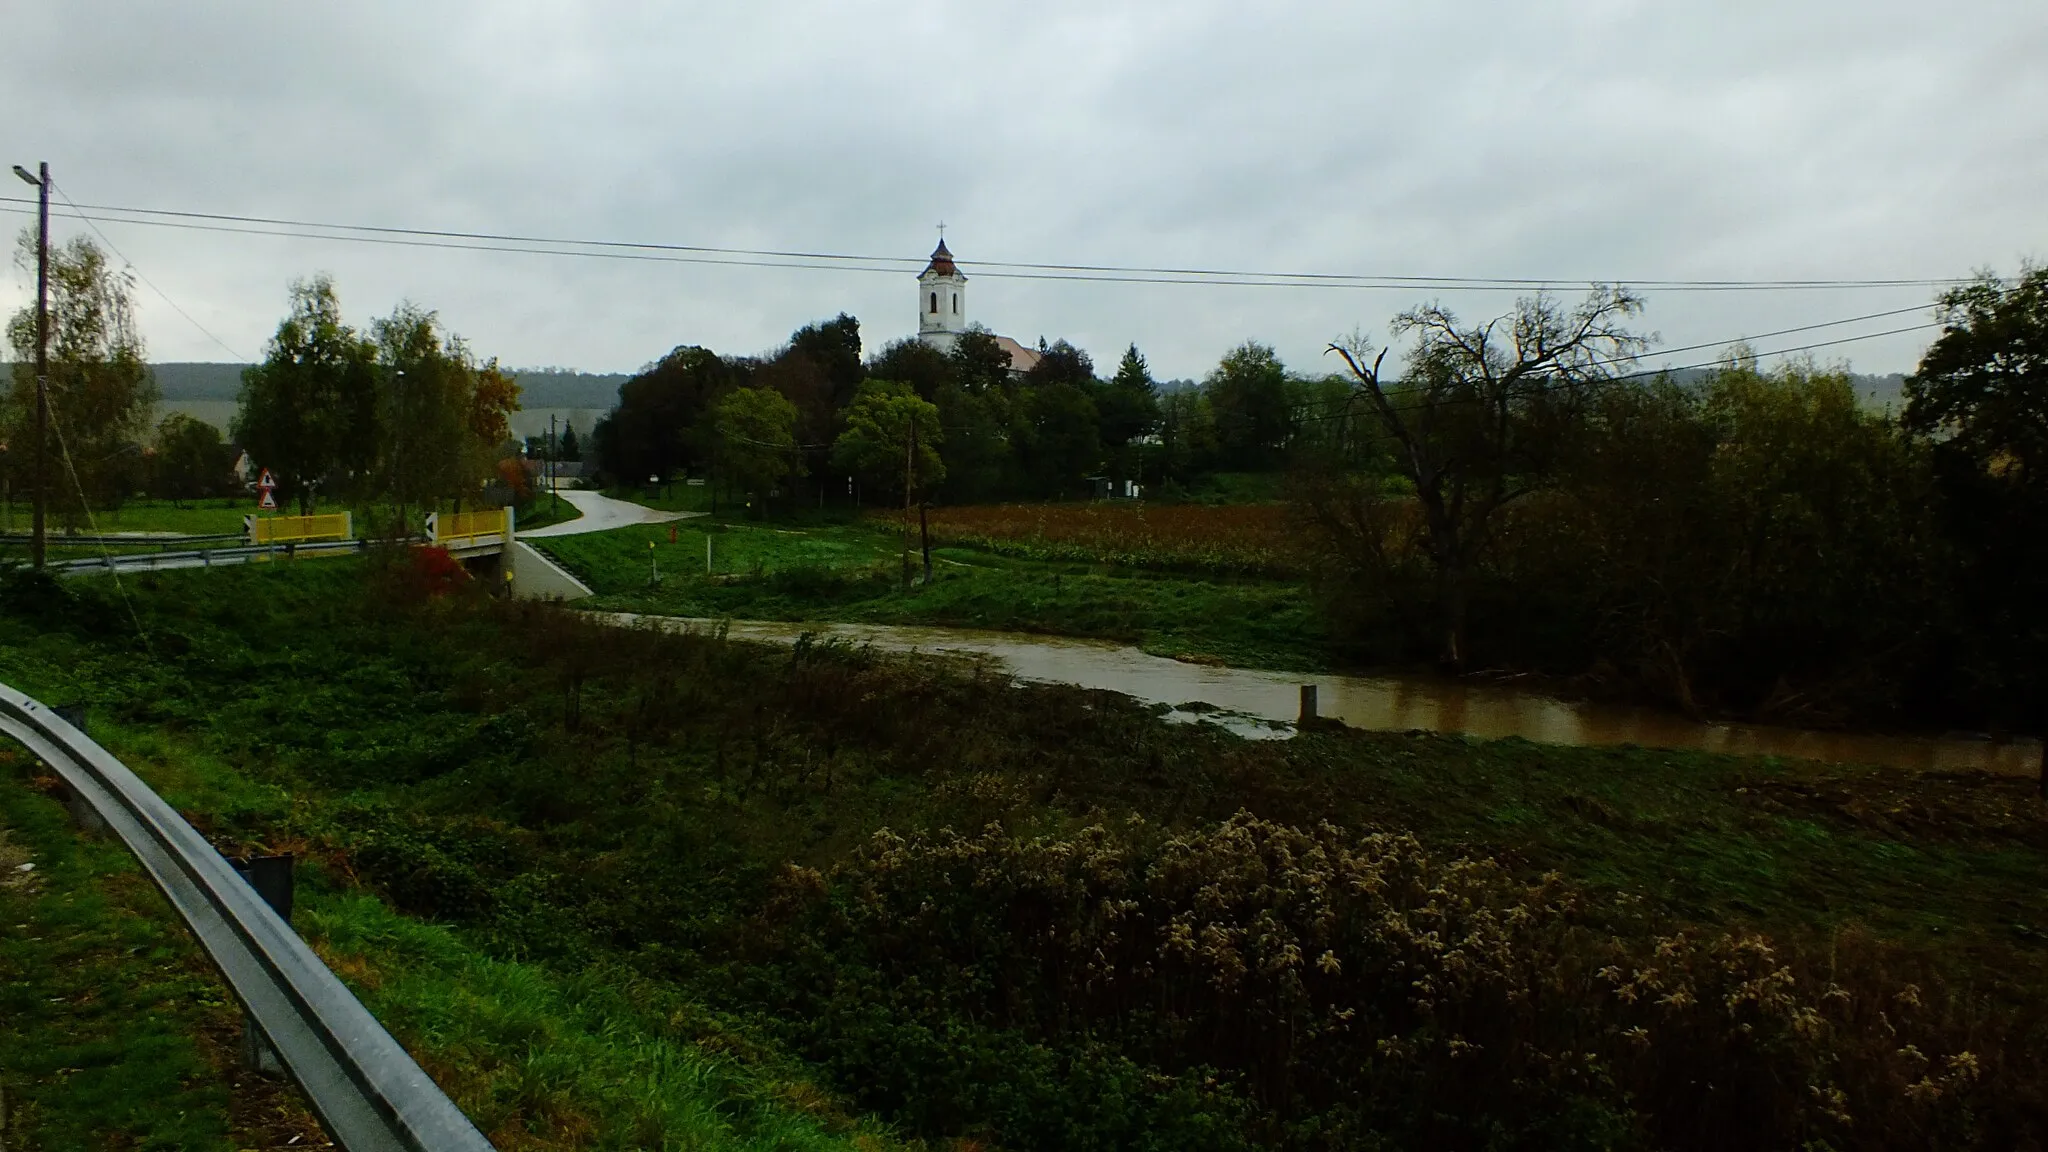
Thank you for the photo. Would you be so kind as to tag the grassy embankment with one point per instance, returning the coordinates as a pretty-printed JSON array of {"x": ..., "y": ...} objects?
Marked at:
[
  {"x": 641, "y": 850},
  {"x": 1210, "y": 606},
  {"x": 116, "y": 1032}
]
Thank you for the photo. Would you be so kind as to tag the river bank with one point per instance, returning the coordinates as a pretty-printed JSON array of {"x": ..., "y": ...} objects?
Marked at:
[
  {"x": 761, "y": 840},
  {"x": 1264, "y": 704}
]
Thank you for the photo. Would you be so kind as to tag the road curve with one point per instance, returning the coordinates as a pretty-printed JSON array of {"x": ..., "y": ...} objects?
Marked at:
[{"x": 601, "y": 513}]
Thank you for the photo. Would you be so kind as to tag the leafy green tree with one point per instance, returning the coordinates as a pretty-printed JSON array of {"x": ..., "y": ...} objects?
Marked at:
[
  {"x": 976, "y": 450},
  {"x": 1062, "y": 363},
  {"x": 1058, "y": 437},
  {"x": 892, "y": 435},
  {"x": 892, "y": 440},
  {"x": 1128, "y": 406},
  {"x": 1338, "y": 428},
  {"x": 662, "y": 422},
  {"x": 1187, "y": 434},
  {"x": 1981, "y": 394},
  {"x": 100, "y": 389},
  {"x": 1765, "y": 544},
  {"x": 1481, "y": 419},
  {"x": 757, "y": 447},
  {"x": 916, "y": 363},
  {"x": 568, "y": 448},
  {"x": 818, "y": 373},
  {"x": 309, "y": 413},
  {"x": 980, "y": 365},
  {"x": 833, "y": 346},
  {"x": 1983, "y": 385},
  {"x": 428, "y": 382},
  {"x": 1248, "y": 393},
  {"x": 191, "y": 462}
]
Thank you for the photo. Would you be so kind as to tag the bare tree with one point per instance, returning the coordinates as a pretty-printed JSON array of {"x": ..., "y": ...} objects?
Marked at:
[{"x": 1483, "y": 416}]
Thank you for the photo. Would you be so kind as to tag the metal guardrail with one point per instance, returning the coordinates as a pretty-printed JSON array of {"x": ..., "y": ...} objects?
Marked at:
[
  {"x": 240, "y": 554},
  {"x": 368, "y": 1093},
  {"x": 106, "y": 541},
  {"x": 199, "y": 558},
  {"x": 469, "y": 529},
  {"x": 299, "y": 529}
]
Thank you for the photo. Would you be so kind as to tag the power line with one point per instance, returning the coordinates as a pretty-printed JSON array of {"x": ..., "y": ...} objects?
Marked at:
[
  {"x": 777, "y": 258},
  {"x": 145, "y": 279}
]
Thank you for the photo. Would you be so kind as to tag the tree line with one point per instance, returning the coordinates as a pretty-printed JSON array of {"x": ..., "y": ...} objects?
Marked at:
[
  {"x": 1751, "y": 542},
  {"x": 816, "y": 418},
  {"x": 399, "y": 414}
]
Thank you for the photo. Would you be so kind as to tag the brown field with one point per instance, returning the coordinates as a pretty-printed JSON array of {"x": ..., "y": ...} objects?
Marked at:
[{"x": 1241, "y": 539}]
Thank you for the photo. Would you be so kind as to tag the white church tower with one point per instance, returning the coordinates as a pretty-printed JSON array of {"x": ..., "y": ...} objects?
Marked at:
[{"x": 941, "y": 301}]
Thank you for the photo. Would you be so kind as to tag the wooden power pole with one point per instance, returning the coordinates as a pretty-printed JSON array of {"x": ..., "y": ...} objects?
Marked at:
[{"x": 41, "y": 514}]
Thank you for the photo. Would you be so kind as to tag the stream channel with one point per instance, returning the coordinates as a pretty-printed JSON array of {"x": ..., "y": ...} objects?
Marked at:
[{"x": 1264, "y": 705}]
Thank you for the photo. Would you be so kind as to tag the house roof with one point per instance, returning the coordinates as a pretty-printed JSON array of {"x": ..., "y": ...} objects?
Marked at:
[
  {"x": 1022, "y": 359},
  {"x": 942, "y": 263}
]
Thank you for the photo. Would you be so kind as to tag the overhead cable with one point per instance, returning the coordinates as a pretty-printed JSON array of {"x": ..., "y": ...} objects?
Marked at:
[{"x": 1022, "y": 270}]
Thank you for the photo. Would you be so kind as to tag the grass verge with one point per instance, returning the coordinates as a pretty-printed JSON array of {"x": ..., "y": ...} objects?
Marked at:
[
  {"x": 117, "y": 1033},
  {"x": 853, "y": 573}
]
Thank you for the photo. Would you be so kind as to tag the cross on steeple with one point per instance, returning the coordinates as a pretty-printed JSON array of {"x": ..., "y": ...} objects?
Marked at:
[{"x": 942, "y": 229}]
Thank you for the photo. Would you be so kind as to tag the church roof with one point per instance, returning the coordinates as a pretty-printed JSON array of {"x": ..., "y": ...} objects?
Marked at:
[
  {"x": 1022, "y": 359},
  {"x": 942, "y": 263}
]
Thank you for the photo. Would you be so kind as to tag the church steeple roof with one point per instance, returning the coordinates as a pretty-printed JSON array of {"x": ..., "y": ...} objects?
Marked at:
[{"x": 942, "y": 263}]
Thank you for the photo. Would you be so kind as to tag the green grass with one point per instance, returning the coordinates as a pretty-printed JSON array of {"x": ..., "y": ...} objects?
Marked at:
[
  {"x": 113, "y": 1025},
  {"x": 115, "y": 1033},
  {"x": 853, "y": 573},
  {"x": 532, "y": 1056},
  {"x": 545, "y": 511},
  {"x": 195, "y": 518},
  {"x": 676, "y": 497},
  {"x": 611, "y": 828},
  {"x": 1797, "y": 847}
]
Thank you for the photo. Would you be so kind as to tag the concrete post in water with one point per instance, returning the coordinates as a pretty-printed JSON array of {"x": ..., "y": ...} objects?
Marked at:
[
  {"x": 271, "y": 877},
  {"x": 1308, "y": 704}
]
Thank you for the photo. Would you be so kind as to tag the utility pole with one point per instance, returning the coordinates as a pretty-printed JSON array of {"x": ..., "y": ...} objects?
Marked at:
[
  {"x": 42, "y": 461},
  {"x": 909, "y": 452},
  {"x": 554, "y": 501}
]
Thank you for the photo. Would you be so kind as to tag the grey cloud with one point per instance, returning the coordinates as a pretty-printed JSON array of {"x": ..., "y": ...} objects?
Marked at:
[{"x": 1601, "y": 138}]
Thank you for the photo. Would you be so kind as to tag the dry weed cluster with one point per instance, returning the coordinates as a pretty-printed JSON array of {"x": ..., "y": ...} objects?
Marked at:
[{"x": 1356, "y": 988}]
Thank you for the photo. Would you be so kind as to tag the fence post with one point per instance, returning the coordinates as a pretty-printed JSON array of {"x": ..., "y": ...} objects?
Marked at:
[
  {"x": 271, "y": 877},
  {"x": 1308, "y": 703}
]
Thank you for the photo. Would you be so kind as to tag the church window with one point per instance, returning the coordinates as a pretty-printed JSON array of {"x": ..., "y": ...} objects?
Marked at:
[
  {"x": 956, "y": 303},
  {"x": 935, "y": 303}
]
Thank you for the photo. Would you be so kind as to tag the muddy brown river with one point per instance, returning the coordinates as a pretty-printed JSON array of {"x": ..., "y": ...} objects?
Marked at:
[{"x": 1263, "y": 705}]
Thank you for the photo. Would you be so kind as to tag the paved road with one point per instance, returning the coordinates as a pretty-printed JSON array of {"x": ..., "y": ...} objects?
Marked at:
[{"x": 600, "y": 513}]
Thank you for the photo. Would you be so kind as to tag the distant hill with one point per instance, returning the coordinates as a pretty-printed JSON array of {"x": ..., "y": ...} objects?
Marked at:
[
  {"x": 1877, "y": 392},
  {"x": 539, "y": 388},
  {"x": 199, "y": 381}
]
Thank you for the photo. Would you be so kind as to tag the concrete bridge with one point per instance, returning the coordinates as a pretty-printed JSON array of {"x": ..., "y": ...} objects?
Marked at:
[{"x": 488, "y": 542}]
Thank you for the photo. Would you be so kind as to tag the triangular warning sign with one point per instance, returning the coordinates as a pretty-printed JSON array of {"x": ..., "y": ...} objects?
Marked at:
[{"x": 269, "y": 501}]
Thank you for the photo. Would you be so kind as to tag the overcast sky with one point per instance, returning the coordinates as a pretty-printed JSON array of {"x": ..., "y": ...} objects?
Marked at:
[{"x": 1600, "y": 139}]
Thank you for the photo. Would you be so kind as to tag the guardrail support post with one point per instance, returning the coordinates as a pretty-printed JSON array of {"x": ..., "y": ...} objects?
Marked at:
[
  {"x": 82, "y": 814},
  {"x": 271, "y": 877}
]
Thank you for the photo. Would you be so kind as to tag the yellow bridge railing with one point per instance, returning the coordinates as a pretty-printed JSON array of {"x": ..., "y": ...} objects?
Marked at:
[
  {"x": 298, "y": 529},
  {"x": 463, "y": 528}
]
